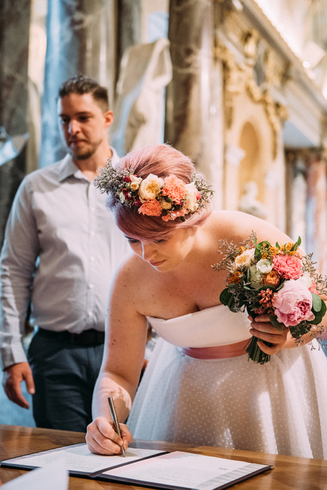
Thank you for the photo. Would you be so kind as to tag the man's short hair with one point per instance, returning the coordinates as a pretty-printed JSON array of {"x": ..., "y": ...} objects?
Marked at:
[{"x": 84, "y": 85}]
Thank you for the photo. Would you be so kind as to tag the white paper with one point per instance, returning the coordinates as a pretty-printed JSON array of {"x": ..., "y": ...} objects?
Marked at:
[
  {"x": 187, "y": 470},
  {"x": 79, "y": 459},
  {"x": 53, "y": 476}
]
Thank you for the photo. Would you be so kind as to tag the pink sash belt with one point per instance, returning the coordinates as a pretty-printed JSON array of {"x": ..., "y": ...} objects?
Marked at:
[{"x": 217, "y": 352}]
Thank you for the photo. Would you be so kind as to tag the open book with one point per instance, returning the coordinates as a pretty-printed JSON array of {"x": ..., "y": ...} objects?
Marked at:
[{"x": 146, "y": 467}]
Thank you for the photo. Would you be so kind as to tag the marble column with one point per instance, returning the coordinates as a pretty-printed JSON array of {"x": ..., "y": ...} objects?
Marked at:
[
  {"x": 81, "y": 38},
  {"x": 14, "y": 39},
  {"x": 128, "y": 26},
  {"x": 194, "y": 106},
  {"x": 296, "y": 195},
  {"x": 316, "y": 210}
]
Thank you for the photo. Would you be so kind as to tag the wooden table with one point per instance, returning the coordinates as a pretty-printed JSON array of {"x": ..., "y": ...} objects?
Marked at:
[{"x": 289, "y": 472}]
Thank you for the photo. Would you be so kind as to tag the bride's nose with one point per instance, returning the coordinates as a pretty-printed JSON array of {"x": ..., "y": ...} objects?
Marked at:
[{"x": 147, "y": 251}]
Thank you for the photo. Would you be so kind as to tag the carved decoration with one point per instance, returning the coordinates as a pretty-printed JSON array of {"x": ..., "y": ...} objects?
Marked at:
[{"x": 239, "y": 78}]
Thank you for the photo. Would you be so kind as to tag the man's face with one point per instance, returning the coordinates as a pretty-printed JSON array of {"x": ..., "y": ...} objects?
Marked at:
[{"x": 83, "y": 124}]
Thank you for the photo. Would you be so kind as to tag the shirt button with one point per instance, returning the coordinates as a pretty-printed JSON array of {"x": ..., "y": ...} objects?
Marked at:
[
  {"x": 92, "y": 233},
  {"x": 90, "y": 313},
  {"x": 91, "y": 286},
  {"x": 92, "y": 259},
  {"x": 92, "y": 208}
]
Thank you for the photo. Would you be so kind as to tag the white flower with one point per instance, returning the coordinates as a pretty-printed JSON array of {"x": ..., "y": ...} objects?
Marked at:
[
  {"x": 306, "y": 280},
  {"x": 245, "y": 259},
  {"x": 190, "y": 197},
  {"x": 135, "y": 182},
  {"x": 150, "y": 187},
  {"x": 255, "y": 277},
  {"x": 122, "y": 197},
  {"x": 264, "y": 266}
]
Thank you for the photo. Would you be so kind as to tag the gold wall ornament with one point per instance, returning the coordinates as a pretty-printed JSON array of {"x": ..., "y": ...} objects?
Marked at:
[
  {"x": 275, "y": 71},
  {"x": 250, "y": 45},
  {"x": 239, "y": 78}
]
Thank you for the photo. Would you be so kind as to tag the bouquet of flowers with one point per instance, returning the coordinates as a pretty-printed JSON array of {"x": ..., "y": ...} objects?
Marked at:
[{"x": 275, "y": 280}]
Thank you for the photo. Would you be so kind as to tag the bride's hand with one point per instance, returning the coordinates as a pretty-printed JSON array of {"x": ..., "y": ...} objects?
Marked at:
[
  {"x": 101, "y": 437},
  {"x": 262, "y": 328}
]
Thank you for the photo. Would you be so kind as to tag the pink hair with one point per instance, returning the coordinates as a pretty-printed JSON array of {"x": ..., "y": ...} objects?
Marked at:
[{"x": 160, "y": 160}]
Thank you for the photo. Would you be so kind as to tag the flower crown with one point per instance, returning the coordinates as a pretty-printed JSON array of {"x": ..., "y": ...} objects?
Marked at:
[{"x": 168, "y": 197}]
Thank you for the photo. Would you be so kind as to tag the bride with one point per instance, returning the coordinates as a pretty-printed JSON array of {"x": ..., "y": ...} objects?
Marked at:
[{"x": 199, "y": 386}]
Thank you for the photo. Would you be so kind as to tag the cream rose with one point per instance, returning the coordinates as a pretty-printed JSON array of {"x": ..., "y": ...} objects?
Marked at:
[
  {"x": 245, "y": 259},
  {"x": 264, "y": 266},
  {"x": 190, "y": 197},
  {"x": 150, "y": 187},
  {"x": 135, "y": 182}
]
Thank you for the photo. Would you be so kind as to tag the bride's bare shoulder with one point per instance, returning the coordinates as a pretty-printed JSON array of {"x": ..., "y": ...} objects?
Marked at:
[
  {"x": 132, "y": 277},
  {"x": 237, "y": 226}
]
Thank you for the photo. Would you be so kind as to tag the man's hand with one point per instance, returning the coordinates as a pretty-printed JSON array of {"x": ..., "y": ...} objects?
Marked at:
[{"x": 12, "y": 378}]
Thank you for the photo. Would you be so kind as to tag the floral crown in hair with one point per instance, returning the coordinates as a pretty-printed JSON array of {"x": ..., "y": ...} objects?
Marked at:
[{"x": 168, "y": 197}]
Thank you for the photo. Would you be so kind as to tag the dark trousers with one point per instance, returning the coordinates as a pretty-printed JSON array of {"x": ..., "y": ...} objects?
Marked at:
[{"x": 64, "y": 374}]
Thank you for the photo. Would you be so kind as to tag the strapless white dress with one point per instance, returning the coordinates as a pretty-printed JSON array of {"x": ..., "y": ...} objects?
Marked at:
[{"x": 279, "y": 407}]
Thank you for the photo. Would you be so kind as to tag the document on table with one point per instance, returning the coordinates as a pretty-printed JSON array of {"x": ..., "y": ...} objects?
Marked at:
[
  {"x": 146, "y": 467},
  {"x": 79, "y": 459},
  {"x": 186, "y": 470}
]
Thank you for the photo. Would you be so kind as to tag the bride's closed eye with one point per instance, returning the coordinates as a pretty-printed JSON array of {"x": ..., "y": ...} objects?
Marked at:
[
  {"x": 132, "y": 240},
  {"x": 160, "y": 241}
]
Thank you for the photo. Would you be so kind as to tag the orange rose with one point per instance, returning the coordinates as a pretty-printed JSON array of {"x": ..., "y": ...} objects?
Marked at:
[{"x": 272, "y": 279}]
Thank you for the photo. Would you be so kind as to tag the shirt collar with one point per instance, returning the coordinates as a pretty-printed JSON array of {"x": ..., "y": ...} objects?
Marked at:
[{"x": 67, "y": 167}]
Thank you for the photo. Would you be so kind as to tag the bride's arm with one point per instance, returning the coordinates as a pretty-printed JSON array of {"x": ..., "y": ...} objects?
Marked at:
[{"x": 126, "y": 333}]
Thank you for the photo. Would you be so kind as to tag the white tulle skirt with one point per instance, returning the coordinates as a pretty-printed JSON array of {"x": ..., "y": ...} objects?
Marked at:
[{"x": 279, "y": 407}]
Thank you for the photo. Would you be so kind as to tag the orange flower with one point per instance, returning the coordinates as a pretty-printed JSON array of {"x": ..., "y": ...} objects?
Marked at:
[
  {"x": 235, "y": 278},
  {"x": 151, "y": 208},
  {"x": 272, "y": 279},
  {"x": 174, "y": 188}
]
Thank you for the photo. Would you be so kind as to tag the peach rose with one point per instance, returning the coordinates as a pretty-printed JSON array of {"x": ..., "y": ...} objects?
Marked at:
[
  {"x": 288, "y": 266},
  {"x": 292, "y": 304},
  {"x": 151, "y": 208},
  {"x": 174, "y": 188}
]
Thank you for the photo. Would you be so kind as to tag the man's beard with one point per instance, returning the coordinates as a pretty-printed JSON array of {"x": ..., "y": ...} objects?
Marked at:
[{"x": 86, "y": 154}]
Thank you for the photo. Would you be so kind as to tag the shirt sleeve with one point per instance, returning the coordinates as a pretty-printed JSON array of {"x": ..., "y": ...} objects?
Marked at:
[{"x": 17, "y": 268}]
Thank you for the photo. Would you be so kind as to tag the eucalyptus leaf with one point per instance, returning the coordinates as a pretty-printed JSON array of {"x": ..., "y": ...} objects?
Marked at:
[
  {"x": 225, "y": 296},
  {"x": 316, "y": 302}
]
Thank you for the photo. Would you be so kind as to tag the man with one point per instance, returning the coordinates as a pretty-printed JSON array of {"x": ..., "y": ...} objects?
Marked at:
[{"x": 60, "y": 251}]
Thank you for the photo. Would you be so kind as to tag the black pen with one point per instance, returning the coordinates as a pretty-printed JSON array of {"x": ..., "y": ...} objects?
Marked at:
[{"x": 115, "y": 420}]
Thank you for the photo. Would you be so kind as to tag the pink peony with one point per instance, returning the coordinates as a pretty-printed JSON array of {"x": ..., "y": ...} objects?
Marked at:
[
  {"x": 288, "y": 266},
  {"x": 292, "y": 304},
  {"x": 151, "y": 208},
  {"x": 174, "y": 188}
]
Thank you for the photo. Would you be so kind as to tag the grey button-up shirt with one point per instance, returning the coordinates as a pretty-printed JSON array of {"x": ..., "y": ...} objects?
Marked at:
[{"x": 60, "y": 252}]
